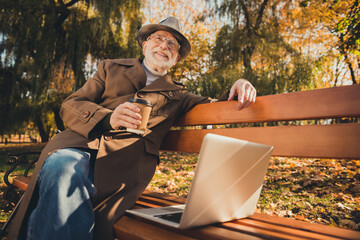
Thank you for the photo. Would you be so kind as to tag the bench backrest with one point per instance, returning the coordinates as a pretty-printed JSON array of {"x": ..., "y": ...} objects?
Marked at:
[{"x": 296, "y": 139}]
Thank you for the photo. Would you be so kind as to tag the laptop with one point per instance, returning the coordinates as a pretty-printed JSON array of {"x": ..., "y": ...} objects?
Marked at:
[{"x": 226, "y": 185}]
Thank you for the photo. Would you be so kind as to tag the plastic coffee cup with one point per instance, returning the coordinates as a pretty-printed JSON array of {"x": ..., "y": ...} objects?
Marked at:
[{"x": 145, "y": 110}]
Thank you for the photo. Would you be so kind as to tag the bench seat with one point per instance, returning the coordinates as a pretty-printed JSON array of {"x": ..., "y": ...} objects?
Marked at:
[{"x": 258, "y": 226}]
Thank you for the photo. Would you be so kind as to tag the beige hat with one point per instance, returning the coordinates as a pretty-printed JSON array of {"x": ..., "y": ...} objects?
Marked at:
[{"x": 169, "y": 24}]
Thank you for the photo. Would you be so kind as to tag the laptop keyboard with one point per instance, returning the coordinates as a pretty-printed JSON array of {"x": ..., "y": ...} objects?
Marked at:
[{"x": 173, "y": 217}]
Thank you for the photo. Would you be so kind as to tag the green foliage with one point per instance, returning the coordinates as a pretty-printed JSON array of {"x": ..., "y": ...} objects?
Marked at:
[
  {"x": 41, "y": 41},
  {"x": 342, "y": 19},
  {"x": 214, "y": 83},
  {"x": 252, "y": 46},
  {"x": 348, "y": 29},
  {"x": 253, "y": 43}
]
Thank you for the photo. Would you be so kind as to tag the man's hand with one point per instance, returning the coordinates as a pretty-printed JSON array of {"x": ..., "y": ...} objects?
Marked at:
[
  {"x": 125, "y": 115},
  {"x": 245, "y": 91}
]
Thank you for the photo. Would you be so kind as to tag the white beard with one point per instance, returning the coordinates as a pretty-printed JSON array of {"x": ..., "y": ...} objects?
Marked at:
[{"x": 161, "y": 64}]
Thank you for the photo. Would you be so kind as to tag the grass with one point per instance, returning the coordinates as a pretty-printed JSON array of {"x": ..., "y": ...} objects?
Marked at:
[{"x": 322, "y": 191}]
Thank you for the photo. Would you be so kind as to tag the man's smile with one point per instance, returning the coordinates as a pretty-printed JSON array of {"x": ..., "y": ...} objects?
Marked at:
[{"x": 162, "y": 55}]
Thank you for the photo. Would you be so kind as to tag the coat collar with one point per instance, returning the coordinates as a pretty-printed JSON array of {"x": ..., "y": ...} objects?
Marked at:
[
  {"x": 137, "y": 76},
  {"x": 135, "y": 72},
  {"x": 128, "y": 61}
]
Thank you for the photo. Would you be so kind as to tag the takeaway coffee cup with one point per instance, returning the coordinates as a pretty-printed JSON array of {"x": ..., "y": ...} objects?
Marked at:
[{"x": 145, "y": 109}]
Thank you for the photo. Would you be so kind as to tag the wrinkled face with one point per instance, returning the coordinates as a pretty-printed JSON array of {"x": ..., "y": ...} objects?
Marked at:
[{"x": 161, "y": 51}]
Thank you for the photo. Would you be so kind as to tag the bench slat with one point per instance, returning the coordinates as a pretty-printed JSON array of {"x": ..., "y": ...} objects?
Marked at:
[
  {"x": 258, "y": 226},
  {"x": 281, "y": 231},
  {"x": 21, "y": 182},
  {"x": 269, "y": 232},
  {"x": 128, "y": 228},
  {"x": 325, "y": 141},
  {"x": 259, "y": 219},
  {"x": 306, "y": 226},
  {"x": 314, "y": 104}
]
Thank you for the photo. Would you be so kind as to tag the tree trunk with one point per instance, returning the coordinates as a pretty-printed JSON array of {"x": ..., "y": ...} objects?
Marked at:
[
  {"x": 251, "y": 29},
  {"x": 351, "y": 69},
  {"x": 247, "y": 55},
  {"x": 40, "y": 125},
  {"x": 59, "y": 122}
]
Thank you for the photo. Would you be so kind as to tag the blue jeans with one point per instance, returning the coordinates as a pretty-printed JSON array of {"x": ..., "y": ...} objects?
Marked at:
[{"x": 64, "y": 209}]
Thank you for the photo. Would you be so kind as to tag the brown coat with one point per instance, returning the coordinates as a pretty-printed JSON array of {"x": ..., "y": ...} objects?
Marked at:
[{"x": 125, "y": 162}]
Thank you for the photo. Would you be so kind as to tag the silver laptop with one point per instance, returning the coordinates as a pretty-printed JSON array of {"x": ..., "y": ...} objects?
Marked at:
[{"x": 226, "y": 185}]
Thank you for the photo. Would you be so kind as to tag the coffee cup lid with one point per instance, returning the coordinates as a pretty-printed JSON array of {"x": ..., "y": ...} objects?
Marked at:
[{"x": 141, "y": 101}]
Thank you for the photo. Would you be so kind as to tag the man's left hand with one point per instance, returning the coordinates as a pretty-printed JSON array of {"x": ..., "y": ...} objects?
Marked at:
[{"x": 245, "y": 91}]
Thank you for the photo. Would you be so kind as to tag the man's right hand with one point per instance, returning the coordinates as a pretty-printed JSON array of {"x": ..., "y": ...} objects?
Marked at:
[{"x": 125, "y": 115}]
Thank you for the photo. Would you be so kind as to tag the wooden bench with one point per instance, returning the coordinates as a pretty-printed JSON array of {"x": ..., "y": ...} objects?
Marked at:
[{"x": 296, "y": 124}]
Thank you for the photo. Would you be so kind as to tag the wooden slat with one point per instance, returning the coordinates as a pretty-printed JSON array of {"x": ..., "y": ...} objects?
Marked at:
[
  {"x": 144, "y": 204},
  {"x": 265, "y": 228},
  {"x": 314, "y": 104},
  {"x": 258, "y": 226},
  {"x": 129, "y": 228},
  {"x": 323, "y": 141},
  {"x": 266, "y": 232},
  {"x": 21, "y": 182},
  {"x": 306, "y": 226},
  {"x": 305, "y": 229},
  {"x": 153, "y": 200},
  {"x": 168, "y": 198},
  {"x": 218, "y": 232}
]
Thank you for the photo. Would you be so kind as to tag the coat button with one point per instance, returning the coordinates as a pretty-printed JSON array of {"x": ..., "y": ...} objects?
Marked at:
[
  {"x": 171, "y": 94},
  {"x": 85, "y": 114},
  {"x": 107, "y": 138},
  {"x": 140, "y": 95}
]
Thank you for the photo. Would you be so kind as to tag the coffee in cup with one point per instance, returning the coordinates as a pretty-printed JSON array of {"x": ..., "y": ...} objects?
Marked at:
[{"x": 145, "y": 110}]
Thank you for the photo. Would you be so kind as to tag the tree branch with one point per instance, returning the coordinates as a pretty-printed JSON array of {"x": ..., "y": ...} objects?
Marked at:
[
  {"x": 64, "y": 12},
  {"x": 247, "y": 17},
  {"x": 72, "y": 2},
  {"x": 69, "y": 4},
  {"x": 61, "y": 2},
  {"x": 261, "y": 13}
]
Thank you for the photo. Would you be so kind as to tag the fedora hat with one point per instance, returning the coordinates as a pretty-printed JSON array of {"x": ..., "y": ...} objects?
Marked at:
[{"x": 169, "y": 24}]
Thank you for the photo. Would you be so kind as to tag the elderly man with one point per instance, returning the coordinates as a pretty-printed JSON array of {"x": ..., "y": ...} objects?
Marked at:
[{"x": 89, "y": 174}]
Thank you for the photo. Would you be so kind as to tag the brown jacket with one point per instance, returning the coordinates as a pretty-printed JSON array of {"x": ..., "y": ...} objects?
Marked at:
[{"x": 125, "y": 162}]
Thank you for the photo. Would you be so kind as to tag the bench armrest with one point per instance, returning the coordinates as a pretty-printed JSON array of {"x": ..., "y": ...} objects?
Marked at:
[{"x": 17, "y": 159}]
